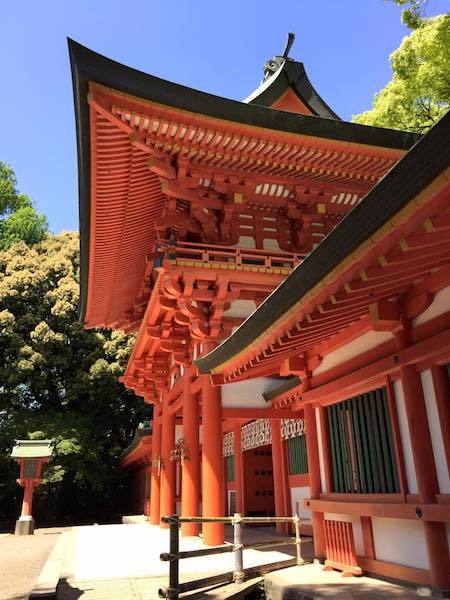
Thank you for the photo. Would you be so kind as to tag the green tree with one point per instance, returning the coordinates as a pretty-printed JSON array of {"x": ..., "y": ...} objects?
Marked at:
[
  {"x": 419, "y": 93},
  {"x": 59, "y": 381},
  {"x": 18, "y": 219},
  {"x": 413, "y": 12}
]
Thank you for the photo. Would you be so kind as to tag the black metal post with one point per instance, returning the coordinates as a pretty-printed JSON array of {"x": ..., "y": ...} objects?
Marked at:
[{"x": 238, "y": 573}]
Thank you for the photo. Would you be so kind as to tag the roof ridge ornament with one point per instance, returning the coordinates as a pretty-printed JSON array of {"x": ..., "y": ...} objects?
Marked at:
[
  {"x": 272, "y": 66},
  {"x": 290, "y": 40}
]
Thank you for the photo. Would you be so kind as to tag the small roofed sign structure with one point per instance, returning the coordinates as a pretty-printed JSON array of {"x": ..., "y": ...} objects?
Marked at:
[{"x": 31, "y": 455}]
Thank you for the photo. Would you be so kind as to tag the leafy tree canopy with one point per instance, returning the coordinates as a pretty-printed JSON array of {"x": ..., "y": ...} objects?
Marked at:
[
  {"x": 58, "y": 380},
  {"x": 18, "y": 219},
  {"x": 413, "y": 12},
  {"x": 419, "y": 92}
]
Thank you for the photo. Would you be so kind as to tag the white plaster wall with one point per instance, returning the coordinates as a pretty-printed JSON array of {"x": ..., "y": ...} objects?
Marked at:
[
  {"x": 405, "y": 438},
  {"x": 271, "y": 244},
  {"x": 240, "y": 308},
  {"x": 246, "y": 241},
  {"x": 400, "y": 541},
  {"x": 362, "y": 344},
  {"x": 298, "y": 494},
  {"x": 178, "y": 432},
  {"x": 439, "y": 306},
  {"x": 357, "y": 529},
  {"x": 321, "y": 458},
  {"x": 435, "y": 432},
  {"x": 246, "y": 394}
]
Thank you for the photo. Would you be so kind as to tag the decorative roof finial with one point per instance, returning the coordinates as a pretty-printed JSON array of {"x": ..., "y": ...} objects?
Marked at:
[
  {"x": 273, "y": 65},
  {"x": 289, "y": 42}
]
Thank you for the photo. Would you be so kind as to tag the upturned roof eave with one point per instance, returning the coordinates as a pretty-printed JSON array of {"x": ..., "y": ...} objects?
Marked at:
[
  {"x": 88, "y": 66},
  {"x": 420, "y": 166}
]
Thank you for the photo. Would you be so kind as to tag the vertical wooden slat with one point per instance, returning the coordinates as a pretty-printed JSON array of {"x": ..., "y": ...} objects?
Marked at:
[
  {"x": 363, "y": 432},
  {"x": 388, "y": 456},
  {"x": 371, "y": 445},
  {"x": 345, "y": 446},
  {"x": 378, "y": 457},
  {"x": 362, "y": 486},
  {"x": 335, "y": 487}
]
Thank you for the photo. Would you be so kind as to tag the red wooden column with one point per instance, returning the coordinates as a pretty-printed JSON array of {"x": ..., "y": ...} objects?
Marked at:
[
  {"x": 167, "y": 502},
  {"x": 312, "y": 449},
  {"x": 190, "y": 481},
  {"x": 212, "y": 461},
  {"x": 155, "y": 485},
  {"x": 279, "y": 484},
  {"x": 27, "y": 503},
  {"x": 238, "y": 468},
  {"x": 427, "y": 482}
]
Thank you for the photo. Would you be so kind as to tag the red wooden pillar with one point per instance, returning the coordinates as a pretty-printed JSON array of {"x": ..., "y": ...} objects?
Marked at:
[
  {"x": 148, "y": 478},
  {"x": 312, "y": 449},
  {"x": 424, "y": 465},
  {"x": 167, "y": 502},
  {"x": 238, "y": 468},
  {"x": 190, "y": 479},
  {"x": 279, "y": 484},
  {"x": 155, "y": 485},
  {"x": 27, "y": 504},
  {"x": 212, "y": 462}
]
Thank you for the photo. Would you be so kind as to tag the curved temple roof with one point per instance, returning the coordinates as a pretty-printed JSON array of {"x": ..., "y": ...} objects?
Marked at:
[
  {"x": 90, "y": 68},
  {"x": 421, "y": 165}
]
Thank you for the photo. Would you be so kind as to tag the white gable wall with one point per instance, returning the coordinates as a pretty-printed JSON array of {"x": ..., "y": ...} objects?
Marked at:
[{"x": 248, "y": 394}]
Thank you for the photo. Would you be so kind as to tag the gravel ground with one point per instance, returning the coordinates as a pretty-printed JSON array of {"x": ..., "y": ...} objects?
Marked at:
[{"x": 22, "y": 559}]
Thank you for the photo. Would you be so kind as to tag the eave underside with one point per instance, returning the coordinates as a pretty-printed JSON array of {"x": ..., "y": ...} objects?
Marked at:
[{"x": 129, "y": 195}]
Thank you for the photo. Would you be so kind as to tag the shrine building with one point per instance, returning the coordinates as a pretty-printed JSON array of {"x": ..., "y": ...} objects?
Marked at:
[{"x": 287, "y": 276}]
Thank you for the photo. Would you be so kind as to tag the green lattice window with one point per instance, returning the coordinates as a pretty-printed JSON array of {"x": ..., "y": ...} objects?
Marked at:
[
  {"x": 362, "y": 446},
  {"x": 298, "y": 459},
  {"x": 30, "y": 468},
  {"x": 230, "y": 467}
]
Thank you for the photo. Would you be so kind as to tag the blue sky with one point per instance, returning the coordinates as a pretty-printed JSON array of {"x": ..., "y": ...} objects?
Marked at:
[{"x": 218, "y": 47}]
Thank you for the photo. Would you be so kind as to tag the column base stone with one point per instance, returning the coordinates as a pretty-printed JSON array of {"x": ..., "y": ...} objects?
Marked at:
[{"x": 24, "y": 526}]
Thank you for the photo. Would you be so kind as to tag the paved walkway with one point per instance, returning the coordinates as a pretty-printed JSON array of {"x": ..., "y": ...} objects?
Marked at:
[
  {"x": 121, "y": 562},
  {"x": 120, "y": 551},
  {"x": 22, "y": 559}
]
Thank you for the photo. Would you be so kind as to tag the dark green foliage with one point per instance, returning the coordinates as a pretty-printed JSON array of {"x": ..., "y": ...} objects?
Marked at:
[
  {"x": 18, "y": 219},
  {"x": 59, "y": 381}
]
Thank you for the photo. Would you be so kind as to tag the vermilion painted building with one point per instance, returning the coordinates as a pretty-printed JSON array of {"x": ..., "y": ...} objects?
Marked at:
[{"x": 331, "y": 400}]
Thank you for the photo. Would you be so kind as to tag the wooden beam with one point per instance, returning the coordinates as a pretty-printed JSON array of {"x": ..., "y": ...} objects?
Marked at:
[{"x": 257, "y": 413}]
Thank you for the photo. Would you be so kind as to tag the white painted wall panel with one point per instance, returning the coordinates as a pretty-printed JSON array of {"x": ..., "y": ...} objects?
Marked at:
[
  {"x": 439, "y": 306},
  {"x": 246, "y": 394},
  {"x": 365, "y": 342},
  {"x": 298, "y": 494},
  {"x": 271, "y": 244},
  {"x": 357, "y": 529},
  {"x": 241, "y": 309},
  {"x": 435, "y": 432},
  {"x": 406, "y": 439},
  {"x": 400, "y": 541}
]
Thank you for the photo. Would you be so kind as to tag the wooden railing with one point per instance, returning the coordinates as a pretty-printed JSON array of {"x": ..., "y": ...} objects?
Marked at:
[
  {"x": 206, "y": 253},
  {"x": 237, "y": 547}
]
